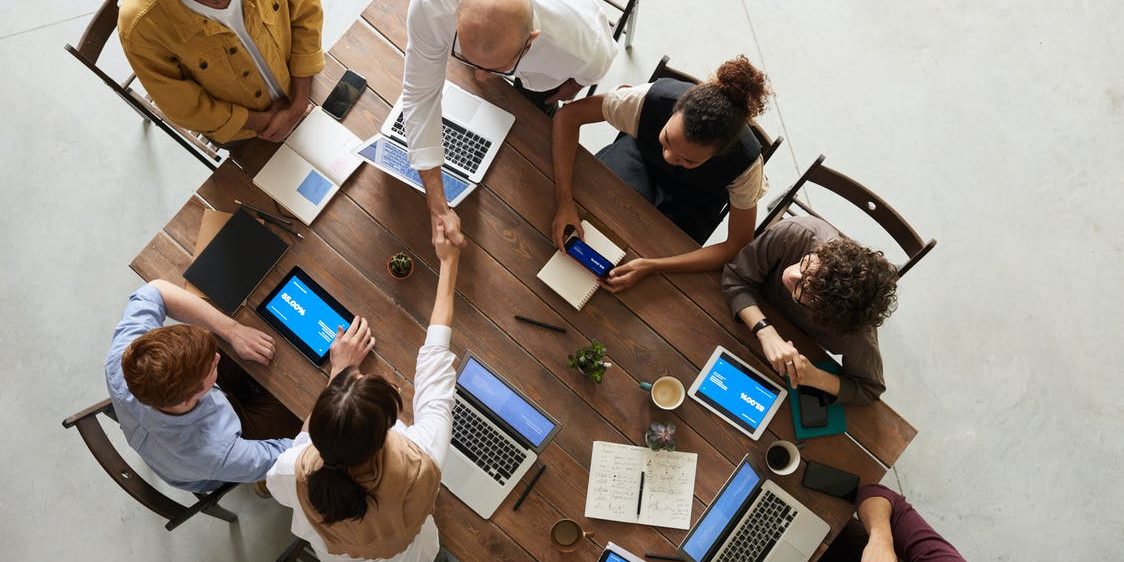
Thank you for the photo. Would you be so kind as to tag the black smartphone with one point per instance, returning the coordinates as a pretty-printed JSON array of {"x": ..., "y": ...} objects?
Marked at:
[
  {"x": 588, "y": 257},
  {"x": 344, "y": 95},
  {"x": 813, "y": 407},
  {"x": 831, "y": 481}
]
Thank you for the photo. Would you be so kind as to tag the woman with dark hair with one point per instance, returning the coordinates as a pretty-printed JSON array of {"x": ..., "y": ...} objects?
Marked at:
[
  {"x": 833, "y": 289},
  {"x": 685, "y": 148},
  {"x": 361, "y": 483}
]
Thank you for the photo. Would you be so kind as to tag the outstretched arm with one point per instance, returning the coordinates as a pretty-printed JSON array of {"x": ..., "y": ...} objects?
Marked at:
[
  {"x": 181, "y": 305},
  {"x": 564, "y": 149}
]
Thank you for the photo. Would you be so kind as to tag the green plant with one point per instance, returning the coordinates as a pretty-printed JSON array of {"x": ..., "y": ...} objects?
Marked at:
[
  {"x": 660, "y": 436},
  {"x": 590, "y": 361},
  {"x": 400, "y": 265}
]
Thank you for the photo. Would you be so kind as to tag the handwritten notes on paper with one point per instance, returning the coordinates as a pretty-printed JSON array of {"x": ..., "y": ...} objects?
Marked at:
[{"x": 614, "y": 485}]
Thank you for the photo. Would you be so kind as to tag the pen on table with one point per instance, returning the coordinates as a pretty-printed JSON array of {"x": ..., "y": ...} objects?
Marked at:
[
  {"x": 640, "y": 497},
  {"x": 559, "y": 329},
  {"x": 278, "y": 221},
  {"x": 662, "y": 556},
  {"x": 534, "y": 480}
]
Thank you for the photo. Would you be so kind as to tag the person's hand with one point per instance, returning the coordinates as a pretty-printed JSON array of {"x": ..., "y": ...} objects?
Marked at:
[
  {"x": 445, "y": 249},
  {"x": 284, "y": 121},
  {"x": 350, "y": 346},
  {"x": 803, "y": 372},
  {"x": 449, "y": 224},
  {"x": 250, "y": 344},
  {"x": 565, "y": 215},
  {"x": 566, "y": 91},
  {"x": 627, "y": 275},
  {"x": 782, "y": 355},
  {"x": 879, "y": 549}
]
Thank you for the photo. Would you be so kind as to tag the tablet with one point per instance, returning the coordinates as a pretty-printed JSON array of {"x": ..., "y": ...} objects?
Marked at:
[
  {"x": 738, "y": 393},
  {"x": 305, "y": 314},
  {"x": 614, "y": 553}
]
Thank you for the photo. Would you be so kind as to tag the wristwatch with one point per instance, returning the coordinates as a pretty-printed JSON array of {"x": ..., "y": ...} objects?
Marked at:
[{"x": 760, "y": 325}]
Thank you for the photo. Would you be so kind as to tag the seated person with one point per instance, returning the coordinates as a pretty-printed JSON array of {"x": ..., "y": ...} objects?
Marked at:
[
  {"x": 361, "y": 483},
  {"x": 230, "y": 69},
  {"x": 686, "y": 148},
  {"x": 194, "y": 434},
  {"x": 831, "y": 288},
  {"x": 551, "y": 47},
  {"x": 893, "y": 531}
]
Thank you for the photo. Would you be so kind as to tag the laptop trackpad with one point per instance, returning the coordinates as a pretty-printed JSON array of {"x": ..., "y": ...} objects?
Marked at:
[
  {"x": 459, "y": 105},
  {"x": 784, "y": 552}
]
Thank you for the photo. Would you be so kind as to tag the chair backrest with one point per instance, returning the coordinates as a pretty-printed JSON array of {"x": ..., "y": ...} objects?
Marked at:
[
  {"x": 127, "y": 479},
  {"x": 858, "y": 195},
  {"x": 98, "y": 32},
  {"x": 628, "y": 10},
  {"x": 768, "y": 145}
]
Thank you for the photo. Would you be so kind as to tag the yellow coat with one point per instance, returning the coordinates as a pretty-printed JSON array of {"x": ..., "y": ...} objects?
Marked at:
[{"x": 197, "y": 71}]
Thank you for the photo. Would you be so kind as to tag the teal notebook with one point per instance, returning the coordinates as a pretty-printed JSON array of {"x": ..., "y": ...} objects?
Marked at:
[{"x": 836, "y": 421}]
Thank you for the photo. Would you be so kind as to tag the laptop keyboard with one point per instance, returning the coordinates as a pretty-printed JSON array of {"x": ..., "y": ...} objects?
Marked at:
[
  {"x": 760, "y": 531},
  {"x": 484, "y": 445},
  {"x": 463, "y": 148}
]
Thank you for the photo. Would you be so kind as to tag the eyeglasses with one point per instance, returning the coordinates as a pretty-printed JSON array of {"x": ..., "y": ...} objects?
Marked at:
[
  {"x": 798, "y": 291},
  {"x": 506, "y": 74}
]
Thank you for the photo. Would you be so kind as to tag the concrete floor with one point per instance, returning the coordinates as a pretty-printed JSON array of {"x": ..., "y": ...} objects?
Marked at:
[{"x": 995, "y": 127}]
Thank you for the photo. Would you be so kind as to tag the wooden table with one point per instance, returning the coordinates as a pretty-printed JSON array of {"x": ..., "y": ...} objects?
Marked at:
[{"x": 667, "y": 325}]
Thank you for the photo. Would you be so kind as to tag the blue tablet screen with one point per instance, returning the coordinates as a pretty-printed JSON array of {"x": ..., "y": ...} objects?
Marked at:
[
  {"x": 307, "y": 315},
  {"x": 739, "y": 392}
]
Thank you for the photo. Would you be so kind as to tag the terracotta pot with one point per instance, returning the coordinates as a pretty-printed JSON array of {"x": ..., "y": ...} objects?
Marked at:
[{"x": 391, "y": 271}]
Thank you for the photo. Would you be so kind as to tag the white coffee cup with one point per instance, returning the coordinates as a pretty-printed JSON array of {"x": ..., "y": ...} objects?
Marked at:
[
  {"x": 782, "y": 458},
  {"x": 667, "y": 392}
]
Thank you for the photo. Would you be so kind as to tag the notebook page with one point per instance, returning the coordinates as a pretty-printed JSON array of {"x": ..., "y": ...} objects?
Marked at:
[
  {"x": 569, "y": 279},
  {"x": 291, "y": 181},
  {"x": 614, "y": 485},
  {"x": 326, "y": 144},
  {"x": 669, "y": 489}
]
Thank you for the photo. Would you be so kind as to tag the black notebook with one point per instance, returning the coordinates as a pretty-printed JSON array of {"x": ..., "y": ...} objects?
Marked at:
[{"x": 240, "y": 255}]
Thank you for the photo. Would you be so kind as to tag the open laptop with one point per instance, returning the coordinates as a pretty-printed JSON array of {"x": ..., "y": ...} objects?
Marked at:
[
  {"x": 472, "y": 132},
  {"x": 497, "y": 435},
  {"x": 752, "y": 520}
]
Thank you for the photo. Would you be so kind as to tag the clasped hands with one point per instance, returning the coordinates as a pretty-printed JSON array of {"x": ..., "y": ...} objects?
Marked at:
[{"x": 787, "y": 360}]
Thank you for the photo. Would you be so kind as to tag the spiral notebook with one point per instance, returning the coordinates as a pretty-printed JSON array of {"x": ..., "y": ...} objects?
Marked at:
[{"x": 572, "y": 281}]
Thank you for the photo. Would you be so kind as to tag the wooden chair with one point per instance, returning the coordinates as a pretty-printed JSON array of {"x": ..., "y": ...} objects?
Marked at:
[
  {"x": 107, "y": 456},
  {"x": 89, "y": 51},
  {"x": 298, "y": 551},
  {"x": 874, "y": 206}
]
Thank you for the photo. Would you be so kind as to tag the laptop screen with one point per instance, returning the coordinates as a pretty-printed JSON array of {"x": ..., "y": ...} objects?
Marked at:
[
  {"x": 743, "y": 394},
  {"x": 708, "y": 532},
  {"x": 493, "y": 393}
]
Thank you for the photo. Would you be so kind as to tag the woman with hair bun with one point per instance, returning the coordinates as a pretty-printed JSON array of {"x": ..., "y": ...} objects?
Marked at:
[
  {"x": 361, "y": 483},
  {"x": 686, "y": 148}
]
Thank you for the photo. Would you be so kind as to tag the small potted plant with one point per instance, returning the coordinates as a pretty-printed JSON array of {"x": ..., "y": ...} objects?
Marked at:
[
  {"x": 400, "y": 265},
  {"x": 590, "y": 361},
  {"x": 660, "y": 436}
]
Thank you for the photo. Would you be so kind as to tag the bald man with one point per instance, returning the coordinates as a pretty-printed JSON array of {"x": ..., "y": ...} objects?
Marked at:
[{"x": 555, "y": 46}]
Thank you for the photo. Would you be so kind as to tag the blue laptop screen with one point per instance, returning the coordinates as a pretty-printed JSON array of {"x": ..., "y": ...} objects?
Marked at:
[
  {"x": 708, "y": 530},
  {"x": 304, "y": 313},
  {"x": 394, "y": 157},
  {"x": 521, "y": 415},
  {"x": 738, "y": 392},
  {"x": 614, "y": 557}
]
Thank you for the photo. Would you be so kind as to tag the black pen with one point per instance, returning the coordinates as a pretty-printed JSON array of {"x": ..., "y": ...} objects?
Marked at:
[
  {"x": 640, "y": 498},
  {"x": 661, "y": 556},
  {"x": 541, "y": 324},
  {"x": 534, "y": 480},
  {"x": 277, "y": 221}
]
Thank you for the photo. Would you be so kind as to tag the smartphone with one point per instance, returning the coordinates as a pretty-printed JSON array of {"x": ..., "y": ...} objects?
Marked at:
[
  {"x": 813, "y": 407},
  {"x": 831, "y": 481},
  {"x": 588, "y": 257},
  {"x": 344, "y": 95}
]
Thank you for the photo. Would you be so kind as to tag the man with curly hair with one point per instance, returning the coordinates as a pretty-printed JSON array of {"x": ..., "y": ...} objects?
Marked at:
[{"x": 835, "y": 290}]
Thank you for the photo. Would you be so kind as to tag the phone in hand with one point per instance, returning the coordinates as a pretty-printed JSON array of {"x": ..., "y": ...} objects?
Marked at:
[
  {"x": 585, "y": 255},
  {"x": 344, "y": 95},
  {"x": 831, "y": 481},
  {"x": 813, "y": 406}
]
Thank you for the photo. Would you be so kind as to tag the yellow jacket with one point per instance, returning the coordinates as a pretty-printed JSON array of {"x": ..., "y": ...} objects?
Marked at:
[{"x": 197, "y": 71}]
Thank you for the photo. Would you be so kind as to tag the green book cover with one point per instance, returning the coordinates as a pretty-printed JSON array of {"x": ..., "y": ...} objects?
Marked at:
[{"x": 836, "y": 420}]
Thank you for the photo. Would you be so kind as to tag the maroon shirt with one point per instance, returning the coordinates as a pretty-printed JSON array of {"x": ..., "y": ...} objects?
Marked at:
[{"x": 914, "y": 539}]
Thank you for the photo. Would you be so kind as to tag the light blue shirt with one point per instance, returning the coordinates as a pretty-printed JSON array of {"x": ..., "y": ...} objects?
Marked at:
[{"x": 197, "y": 451}]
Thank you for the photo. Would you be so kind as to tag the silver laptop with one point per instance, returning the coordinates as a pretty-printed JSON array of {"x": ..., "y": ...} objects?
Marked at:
[
  {"x": 472, "y": 133},
  {"x": 497, "y": 435},
  {"x": 753, "y": 519}
]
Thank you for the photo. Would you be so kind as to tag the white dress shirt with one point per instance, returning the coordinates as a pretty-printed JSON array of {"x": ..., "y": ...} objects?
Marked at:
[
  {"x": 232, "y": 18},
  {"x": 576, "y": 42},
  {"x": 434, "y": 388}
]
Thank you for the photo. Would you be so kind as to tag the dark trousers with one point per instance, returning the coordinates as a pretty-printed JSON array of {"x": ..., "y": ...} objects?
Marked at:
[
  {"x": 262, "y": 415},
  {"x": 539, "y": 98},
  {"x": 695, "y": 211}
]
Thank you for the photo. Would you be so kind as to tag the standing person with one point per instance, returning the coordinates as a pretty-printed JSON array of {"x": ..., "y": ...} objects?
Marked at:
[
  {"x": 361, "y": 483},
  {"x": 194, "y": 434},
  {"x": 230, "y": 69},
  {"x": 685, "y": 148},
  {"x": 831, "y": 288},
  {"x": 893, "y": 531},
  {"x": 555, "y": 47}
]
